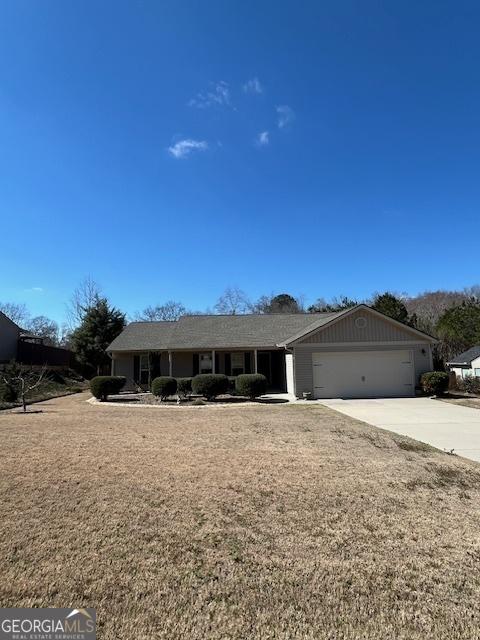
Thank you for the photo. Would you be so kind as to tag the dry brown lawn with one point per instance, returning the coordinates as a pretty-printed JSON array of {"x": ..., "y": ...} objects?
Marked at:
[
  {"x": 236, "y": 523},
  {"x": 467, "y": 401}
]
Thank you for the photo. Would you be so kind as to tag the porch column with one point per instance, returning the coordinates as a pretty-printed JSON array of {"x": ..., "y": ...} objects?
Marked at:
[
  {"x": 113, "y": 365},
  {"x": 213, "y": 360},
  {"x": 255, "y": 361},
  {"x": 170, "y": 364}
]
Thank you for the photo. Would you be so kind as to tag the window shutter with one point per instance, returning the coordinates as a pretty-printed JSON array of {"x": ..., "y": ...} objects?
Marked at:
[
  {"x": 217, "y": 363},
  {"x": 248, "y": 366},
  {"x": 228, "y": 364},
  {"x": 136, "y": 368},
  {"x": 195, "y": 364}
]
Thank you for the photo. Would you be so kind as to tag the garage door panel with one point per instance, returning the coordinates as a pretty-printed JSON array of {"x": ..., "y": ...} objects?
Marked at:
[{"x": 363, "y": 374}]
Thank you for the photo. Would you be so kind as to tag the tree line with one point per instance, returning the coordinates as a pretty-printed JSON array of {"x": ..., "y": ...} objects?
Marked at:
[{"x": 92, "y": 322}]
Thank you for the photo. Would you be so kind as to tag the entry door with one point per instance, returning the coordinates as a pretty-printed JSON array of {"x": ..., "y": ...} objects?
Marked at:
[{"x": 363, "y": 374}]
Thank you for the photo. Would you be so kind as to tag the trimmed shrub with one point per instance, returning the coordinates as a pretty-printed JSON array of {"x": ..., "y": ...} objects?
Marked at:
[
  {"x": 251, "y": 385},
  {"x": 210, "y": 385},
  {"x": 184, "y": 386},
  {"x": 103, "y": 386},
  {"x": 164, "y": 386},
  {"x": 435, "y": 382}
]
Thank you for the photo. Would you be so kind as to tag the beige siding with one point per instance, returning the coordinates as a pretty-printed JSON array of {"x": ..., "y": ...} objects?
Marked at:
[
  {"x": 8, "y": 339},
  {"x": 122, "y": 365},
  {"x": 304, "y": 369},
  {"x": 376, "y": 330}
]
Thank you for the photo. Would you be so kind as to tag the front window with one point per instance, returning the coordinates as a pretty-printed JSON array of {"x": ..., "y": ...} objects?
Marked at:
[
  {"x": 238, "y": 363},
  {"x": 477, "y": 373},
  {"x": 144, "y": 368},
  {"x": 205, "y": 363}
]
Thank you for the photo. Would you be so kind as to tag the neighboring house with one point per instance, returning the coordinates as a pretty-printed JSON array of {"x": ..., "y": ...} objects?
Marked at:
[
  {"x": 9, "y": 336},
  {"x": 356, "y": 352},
  {"x": 467, "y": 363},
  {"x": 26, "y": 348}
]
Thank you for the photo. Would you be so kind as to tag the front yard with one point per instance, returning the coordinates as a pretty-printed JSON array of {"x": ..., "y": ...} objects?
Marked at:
[{"x": 288, "y": 521}]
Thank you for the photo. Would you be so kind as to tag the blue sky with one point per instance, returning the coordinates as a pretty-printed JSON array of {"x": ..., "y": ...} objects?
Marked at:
[{"x": 170, "y": 149}]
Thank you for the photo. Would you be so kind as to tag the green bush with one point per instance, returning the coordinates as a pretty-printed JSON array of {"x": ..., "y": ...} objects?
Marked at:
[
  {"x": 103, "y": 386},
  {"x": 184, "y": 386},
  {"x": 251, "y": 385},
  {"x": 435, "y": 382},
  {"x": 210, "y": 385},
  {"x": 164, "y": 386}
]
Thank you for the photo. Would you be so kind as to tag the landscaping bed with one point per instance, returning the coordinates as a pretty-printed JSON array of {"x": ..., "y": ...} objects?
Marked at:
[
  {"x": 202, "y": 389},
  {"x": 148, "y": 398}
]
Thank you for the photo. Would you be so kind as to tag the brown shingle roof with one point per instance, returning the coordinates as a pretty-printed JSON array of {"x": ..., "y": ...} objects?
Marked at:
[{"x": 216, "y": 332}]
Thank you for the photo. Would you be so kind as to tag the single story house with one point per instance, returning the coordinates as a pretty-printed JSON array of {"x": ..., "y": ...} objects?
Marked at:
[
  {"x": 357, "y": 352},
  {"x": 467, "y": 363}
]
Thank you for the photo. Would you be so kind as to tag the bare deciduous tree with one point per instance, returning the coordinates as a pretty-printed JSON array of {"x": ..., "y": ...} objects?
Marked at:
[
  {"x": 170, "y": 310},
  {"x": 17, "y": 312},
  {"x": 65, "y": 336},
  {"x": 84, "y": 297},
  {"x": 427, "y": 308},
  {"x": 25, "y": 380},
  {"x": 233, "y": 301},
  {"x": 45, "y": 328}
]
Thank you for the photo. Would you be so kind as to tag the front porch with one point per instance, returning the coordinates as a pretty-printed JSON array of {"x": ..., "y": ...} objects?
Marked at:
[{"x": 141, "y": 368}]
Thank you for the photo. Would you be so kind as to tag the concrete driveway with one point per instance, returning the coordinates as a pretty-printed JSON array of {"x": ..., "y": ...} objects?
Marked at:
[{"x": 441, "y": 424}]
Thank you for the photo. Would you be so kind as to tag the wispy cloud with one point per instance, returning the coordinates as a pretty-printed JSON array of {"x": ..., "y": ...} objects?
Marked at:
[
  {"x": 218, "y": 95},
  {"x": 184, "y": 148},
  {"x": 263, "y": 138},
  {"x": 35, "y": 290},
  {"x": 253, "y": 86},
  {"x": 285, "y": 116}
]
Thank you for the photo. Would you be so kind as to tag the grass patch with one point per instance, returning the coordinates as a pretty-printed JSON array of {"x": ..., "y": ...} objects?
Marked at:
[
  {"x": 414, "y": 446},
  {"x": 258, "y": 522},
  {"x": 442, "y": 476}
]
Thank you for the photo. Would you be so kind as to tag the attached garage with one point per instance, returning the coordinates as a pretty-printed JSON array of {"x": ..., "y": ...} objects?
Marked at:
[
  {"x": 357, "y": 353},
  {"x": 363, "y": 374}
]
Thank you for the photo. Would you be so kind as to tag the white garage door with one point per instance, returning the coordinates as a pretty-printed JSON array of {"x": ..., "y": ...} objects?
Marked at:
[{"x": 363, "y": 374}]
